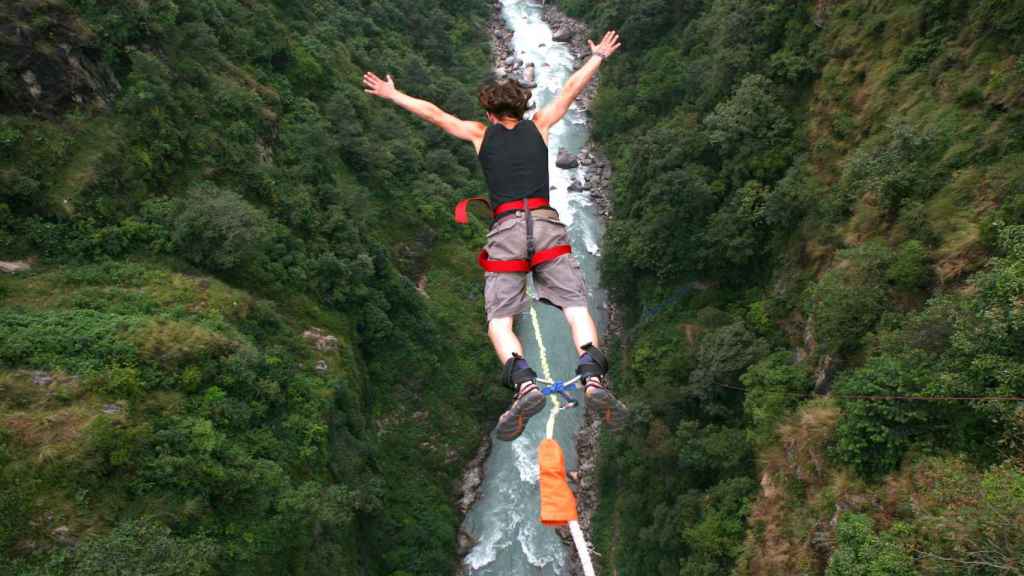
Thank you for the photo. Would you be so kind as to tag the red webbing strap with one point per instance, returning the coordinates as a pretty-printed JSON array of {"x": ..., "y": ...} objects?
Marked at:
[
  {"x": 539, "y": 258},
  {"x": 462, "y": 208},
  {"x": 533, "y": 204}
]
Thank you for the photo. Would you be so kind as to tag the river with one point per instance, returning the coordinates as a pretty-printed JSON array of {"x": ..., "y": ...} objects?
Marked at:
[{"x": 505, "y": 522}]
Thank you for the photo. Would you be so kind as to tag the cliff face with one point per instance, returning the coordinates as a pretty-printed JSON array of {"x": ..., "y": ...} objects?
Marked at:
[
  {"x": 844, "y": 180},
  {"x": 51, "y": 61}
]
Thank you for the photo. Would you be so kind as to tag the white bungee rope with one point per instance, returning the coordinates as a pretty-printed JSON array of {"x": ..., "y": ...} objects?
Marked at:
[{"x": 582, "y": 549}]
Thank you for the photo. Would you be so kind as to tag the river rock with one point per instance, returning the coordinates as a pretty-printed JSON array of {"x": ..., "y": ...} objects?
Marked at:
[
  {"x": 575, "y": 188},
  {"x": 42, "y": 378},
  {"x": 565, "y": 160},
  {"x": 63, "y": 536},
  {"x": 15, "y": 266},
  {"x": 562, "y": 35},
  {"x": 320, "y": 340},
  {"x": 529, "y": 74},
  {"x": 466, "y": 541}
]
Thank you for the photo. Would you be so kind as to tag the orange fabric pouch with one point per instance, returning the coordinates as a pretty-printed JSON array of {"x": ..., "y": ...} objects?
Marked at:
[{"x": 557, "y": 502}]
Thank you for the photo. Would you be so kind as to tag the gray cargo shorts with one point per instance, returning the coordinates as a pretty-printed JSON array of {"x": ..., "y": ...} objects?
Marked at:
[{"x": 558, "y": 282}]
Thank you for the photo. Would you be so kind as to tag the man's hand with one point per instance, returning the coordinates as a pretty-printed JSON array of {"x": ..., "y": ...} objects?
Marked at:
[
  {"x": 609, "y": 44},
  {"x": 374, "y": 85},
  {"x": 462, "y": 129}
]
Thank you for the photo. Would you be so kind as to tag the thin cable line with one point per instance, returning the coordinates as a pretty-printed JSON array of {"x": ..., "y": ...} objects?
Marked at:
[{"x": 890, "y": 396}]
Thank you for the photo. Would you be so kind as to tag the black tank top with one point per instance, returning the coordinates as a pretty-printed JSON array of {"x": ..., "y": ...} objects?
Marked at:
[{"x": 515, "y": 162}]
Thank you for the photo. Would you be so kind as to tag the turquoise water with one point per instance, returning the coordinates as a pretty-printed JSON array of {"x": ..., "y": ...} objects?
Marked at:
[{"x": 505, "y": 520}]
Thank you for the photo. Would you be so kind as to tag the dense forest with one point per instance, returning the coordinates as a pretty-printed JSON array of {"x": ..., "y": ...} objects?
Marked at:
[
  {"x": 245, "y": 338},
  {"x": 817, "y": 243},
  {"x": 250, "y": 340}
]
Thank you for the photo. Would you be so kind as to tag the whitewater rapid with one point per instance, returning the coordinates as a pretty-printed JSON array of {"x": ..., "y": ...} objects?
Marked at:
[{"x": 511, "y": 541}]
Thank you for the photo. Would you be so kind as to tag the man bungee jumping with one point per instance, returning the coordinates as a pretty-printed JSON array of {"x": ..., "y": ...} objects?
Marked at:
[{"x": 526, "y": 236}]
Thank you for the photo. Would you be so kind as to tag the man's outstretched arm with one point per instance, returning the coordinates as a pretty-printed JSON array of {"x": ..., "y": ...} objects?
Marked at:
[
  {"x": 462, "y": 129},
  {"x": 549, "y": 115}
]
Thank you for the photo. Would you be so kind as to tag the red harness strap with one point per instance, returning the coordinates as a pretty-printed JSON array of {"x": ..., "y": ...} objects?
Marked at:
[
  {"x": 462, "y": 208},
  {"x": 485, "y": 262},
  {"x": 462, "y": 217}
]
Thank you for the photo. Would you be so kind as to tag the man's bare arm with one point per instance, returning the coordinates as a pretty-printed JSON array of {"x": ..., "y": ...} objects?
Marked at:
[
  {"x": 462, "y": 129},
  {"x": 549, "y": 115}
]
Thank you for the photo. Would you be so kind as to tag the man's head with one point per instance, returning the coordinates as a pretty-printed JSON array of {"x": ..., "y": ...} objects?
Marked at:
[{"x": 504, "y": 99}]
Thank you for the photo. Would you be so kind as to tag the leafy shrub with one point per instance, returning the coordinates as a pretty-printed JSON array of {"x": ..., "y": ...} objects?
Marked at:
[
  {"x": 752, "y": 130},
  {"x": 861, "y": 552},
  {"x": 722, "y": 356},
  {"x": 914, "y": 220},
  {"x": 893, "y": 168},
  {"x": 144, "y": 548},
  {"x": 872, "y": 435},
  {"x": 910, "y": 268},
  {"x": 173, "y": 344},
  {"x": 219, "y": 230},
  {"x": 844, "y": 306},
  {"x": 9, "y": 136},
  {"x": 121, "y": 382},
  {"x": 716, "y": 540},
  {"x": 774, "y": 386},
  {"x": 78, "y": 340},
  {"x": 969, "y": 517}
]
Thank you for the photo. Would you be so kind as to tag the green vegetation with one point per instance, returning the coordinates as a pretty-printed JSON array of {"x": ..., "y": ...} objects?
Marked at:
[
  {"x": 844, "y": 179},
  {"x": 202, "y": 184}
]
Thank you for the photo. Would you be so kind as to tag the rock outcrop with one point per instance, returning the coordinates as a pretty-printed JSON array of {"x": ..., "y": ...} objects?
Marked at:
[{"x": 54, "y": 67}]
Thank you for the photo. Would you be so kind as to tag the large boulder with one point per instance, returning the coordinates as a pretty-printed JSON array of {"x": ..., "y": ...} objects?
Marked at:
[
  {"x": 562, "y": 35},
  {"x": 565, "y": 160}
]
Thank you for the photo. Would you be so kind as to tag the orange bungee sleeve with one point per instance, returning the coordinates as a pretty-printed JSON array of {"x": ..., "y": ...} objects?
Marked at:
[{"x": 557, "y": 502}]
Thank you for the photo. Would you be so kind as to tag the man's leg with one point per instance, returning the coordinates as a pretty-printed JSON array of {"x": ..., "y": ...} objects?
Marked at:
[
  {"x": 592, "y": 361},
  {"x": 517, "y": 374},
  {"x": 504, "y": 339},
  {"x": 581, "y": 323}
]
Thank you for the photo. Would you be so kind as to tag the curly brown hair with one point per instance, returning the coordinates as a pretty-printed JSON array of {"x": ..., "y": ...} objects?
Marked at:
[{"x": 505, "y": 98}]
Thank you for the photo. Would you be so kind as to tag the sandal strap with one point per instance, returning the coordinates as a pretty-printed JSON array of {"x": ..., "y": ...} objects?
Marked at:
[
  {"x": 524, "y": 388},
  {"x": 512, "y": 378},
  {"x": 598, "y": 366}
]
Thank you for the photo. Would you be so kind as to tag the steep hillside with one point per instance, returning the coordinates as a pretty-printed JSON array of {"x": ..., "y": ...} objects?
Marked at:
[
  {"x": 248, "y": 339},
  {"x": 816, "y": 242}
]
